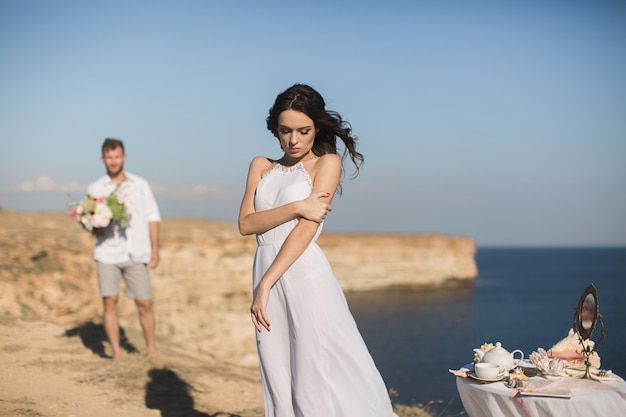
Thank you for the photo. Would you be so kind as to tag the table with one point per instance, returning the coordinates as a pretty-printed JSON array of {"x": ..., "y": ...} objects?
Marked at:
[{"x": 494, "y": 400}]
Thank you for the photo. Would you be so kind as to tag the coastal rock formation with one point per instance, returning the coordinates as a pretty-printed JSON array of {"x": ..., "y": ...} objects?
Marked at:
[
  {"x": 202, "y": 286},
  {"x": 53, "y": 346},
  {"x": 373, "y": 261}
]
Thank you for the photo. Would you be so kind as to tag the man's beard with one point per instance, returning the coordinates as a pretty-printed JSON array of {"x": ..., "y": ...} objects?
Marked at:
[{"x": 113, "y": 174}]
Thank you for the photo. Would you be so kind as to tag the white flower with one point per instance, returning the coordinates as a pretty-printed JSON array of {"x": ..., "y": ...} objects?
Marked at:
[
  {"x": 101, "y": 216},
  {"x": 86, "y": 221}
]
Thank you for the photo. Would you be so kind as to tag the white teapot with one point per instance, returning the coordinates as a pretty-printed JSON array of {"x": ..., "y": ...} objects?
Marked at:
[{"x": 500, "y": 356}]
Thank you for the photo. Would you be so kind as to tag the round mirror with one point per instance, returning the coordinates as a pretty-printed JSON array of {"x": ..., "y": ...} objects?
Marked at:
[{"x": 587, "y": 312}]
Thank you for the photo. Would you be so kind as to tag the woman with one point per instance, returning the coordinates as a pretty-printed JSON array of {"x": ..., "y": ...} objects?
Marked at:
[{"x": 312, "y": 357}]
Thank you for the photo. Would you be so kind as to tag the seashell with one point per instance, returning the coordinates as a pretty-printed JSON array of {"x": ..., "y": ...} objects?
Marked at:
[
  {"x": 544, "y": 363},
  {"x": 570, "y": 350}
]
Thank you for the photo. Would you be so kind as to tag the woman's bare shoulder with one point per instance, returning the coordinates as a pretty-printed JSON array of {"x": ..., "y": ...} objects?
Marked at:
[
  {"x": 329, "y": 161},
  {"x": 260, "y": 165},
  {"x": 328, "y": 166},
  {"x": 330, "y": 158}
]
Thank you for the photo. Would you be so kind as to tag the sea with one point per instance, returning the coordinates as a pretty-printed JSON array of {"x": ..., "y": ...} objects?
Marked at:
[{"x": 524, "y": 298}]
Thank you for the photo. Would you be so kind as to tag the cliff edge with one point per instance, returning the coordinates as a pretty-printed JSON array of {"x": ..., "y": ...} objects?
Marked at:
[
  {"x": 202, "y": 286},
  {"x": 54, "y": 349}
]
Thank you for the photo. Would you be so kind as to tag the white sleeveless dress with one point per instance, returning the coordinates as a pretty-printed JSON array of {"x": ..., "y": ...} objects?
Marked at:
[{"x": 314, "y": 362}]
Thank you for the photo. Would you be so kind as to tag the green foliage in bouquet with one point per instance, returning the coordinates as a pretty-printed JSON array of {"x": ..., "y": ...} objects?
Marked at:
[
  {"x": 118, "y": 209},
  {"x": 88, "y": 204}
]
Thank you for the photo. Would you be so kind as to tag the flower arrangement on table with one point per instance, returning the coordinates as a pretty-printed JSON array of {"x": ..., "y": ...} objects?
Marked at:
[{"x": 94, "y": 214}]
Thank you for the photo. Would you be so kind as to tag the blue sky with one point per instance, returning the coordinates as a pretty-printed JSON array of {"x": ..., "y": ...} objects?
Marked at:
[{"x": 503, "y": 121}]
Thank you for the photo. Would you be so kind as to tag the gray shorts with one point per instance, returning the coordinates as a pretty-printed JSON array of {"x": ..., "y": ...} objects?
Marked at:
[{"x": 136, "y": 278}]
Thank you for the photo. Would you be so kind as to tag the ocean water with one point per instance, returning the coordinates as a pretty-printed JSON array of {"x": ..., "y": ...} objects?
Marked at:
[{"x": 523, "y": 298}]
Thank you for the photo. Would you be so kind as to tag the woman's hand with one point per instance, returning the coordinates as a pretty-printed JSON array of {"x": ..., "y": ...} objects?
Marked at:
[
  {"x": 257, "y": 309},
  {"x": 315, "y": 207}
]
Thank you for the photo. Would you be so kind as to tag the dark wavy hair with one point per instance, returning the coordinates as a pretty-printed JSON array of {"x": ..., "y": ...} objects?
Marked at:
[{"x": 329, "y": 124}]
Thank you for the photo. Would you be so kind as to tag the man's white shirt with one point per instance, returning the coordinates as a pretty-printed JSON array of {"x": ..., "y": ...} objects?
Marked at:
[{"x": 131, "y": 243}]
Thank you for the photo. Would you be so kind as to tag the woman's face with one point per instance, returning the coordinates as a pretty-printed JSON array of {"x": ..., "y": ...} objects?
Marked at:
[{"x": 296, "y": 133}]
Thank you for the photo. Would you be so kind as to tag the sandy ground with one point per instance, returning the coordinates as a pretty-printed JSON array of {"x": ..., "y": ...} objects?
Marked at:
[
  {"x": 49, "y": 371},
  {"x": 52, "y": 371}
]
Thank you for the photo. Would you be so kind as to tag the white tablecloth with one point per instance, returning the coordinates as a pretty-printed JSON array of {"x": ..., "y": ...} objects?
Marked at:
[{"x": 494, "y": 400}]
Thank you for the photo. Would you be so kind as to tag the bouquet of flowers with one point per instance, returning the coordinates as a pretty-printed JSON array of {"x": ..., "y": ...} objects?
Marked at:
[{"x": 96, "y": 213}]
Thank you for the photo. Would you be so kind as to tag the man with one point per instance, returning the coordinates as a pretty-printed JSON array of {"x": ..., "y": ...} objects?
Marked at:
[{"x": 127, "y": 252}]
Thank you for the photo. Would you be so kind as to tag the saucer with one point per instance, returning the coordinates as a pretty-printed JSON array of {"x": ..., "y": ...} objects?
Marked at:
[{"x": 477, "y": 378}]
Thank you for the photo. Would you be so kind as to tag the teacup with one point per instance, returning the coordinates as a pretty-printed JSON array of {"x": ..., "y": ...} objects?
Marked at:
[{"x": 488, "y": 371}]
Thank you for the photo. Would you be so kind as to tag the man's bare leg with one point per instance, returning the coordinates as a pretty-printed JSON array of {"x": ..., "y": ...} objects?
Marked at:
[
  {"x": 112, "y": 327},
  {"x": 146, "y": 318}
]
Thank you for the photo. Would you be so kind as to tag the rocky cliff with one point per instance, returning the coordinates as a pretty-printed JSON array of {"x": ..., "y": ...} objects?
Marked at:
[
  {"x": 202, "y": 286},
  {"x": 374, "y": 261}
]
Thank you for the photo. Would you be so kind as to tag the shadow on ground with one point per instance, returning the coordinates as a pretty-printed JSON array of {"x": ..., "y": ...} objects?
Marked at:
[
  {"x": 171, "y": 395},
  {"x": 93, "y": 337},
  {"x": 165, "y": 391}
]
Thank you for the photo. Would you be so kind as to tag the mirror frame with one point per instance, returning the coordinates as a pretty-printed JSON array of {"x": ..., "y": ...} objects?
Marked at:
[{"x": 585, "y": 333}]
